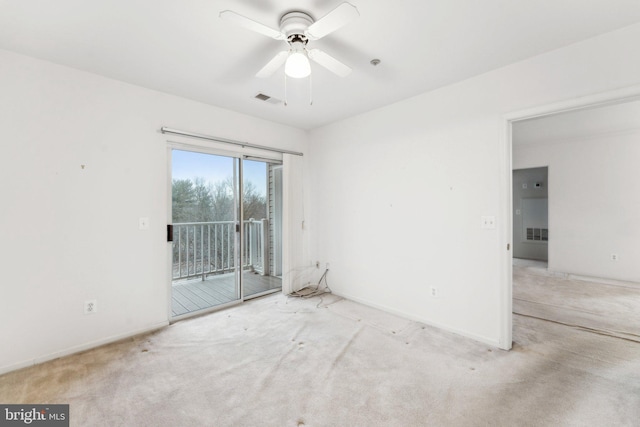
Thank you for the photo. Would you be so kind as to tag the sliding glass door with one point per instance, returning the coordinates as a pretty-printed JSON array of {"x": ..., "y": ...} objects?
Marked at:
[
  {"x": 262, "y": 237},
  {"x": 205, "y": 214},
  {"x": 227, "y": 230}
]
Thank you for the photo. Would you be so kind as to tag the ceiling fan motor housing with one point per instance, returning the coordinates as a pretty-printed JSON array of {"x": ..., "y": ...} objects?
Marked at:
[
  {"x": 297, "y": 28},
  {"x": 294, "y": 24}
]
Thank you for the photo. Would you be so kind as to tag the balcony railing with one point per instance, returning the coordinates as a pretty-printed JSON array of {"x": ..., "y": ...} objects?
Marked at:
[{"x": 205, "y": 248}]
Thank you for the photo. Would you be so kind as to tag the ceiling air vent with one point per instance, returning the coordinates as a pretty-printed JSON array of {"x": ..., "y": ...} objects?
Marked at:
[{"x": 267, "y": 98}]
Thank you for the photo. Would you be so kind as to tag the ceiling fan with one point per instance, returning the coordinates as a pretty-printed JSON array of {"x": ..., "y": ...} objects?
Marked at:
[{"x": 297, "y": 29}]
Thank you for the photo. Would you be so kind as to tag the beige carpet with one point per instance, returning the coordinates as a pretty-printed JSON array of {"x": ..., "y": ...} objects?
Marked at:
[
  {"x": 606, "y": 307},
  {"x": 287, "y": 362}
]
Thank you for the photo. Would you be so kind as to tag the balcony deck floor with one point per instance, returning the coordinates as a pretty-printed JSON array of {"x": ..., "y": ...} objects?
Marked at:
[{"x": 192, "y": 295}]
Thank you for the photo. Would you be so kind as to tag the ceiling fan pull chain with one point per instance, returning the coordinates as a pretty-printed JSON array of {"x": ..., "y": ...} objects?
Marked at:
[
  {"x": 310, "y": 90},
  {"x": 285, "y": 89}
]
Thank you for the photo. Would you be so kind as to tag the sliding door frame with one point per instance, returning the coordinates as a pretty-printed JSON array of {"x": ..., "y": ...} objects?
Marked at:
[
  {"x": 267, "y": 162},
  {"x": 239, "y": 247}
]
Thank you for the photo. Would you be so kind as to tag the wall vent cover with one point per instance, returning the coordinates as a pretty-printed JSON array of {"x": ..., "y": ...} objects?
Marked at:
[{"x": 538, "y": 234}]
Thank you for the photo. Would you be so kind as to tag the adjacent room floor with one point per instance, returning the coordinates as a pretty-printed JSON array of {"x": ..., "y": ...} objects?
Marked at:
[
  {"x": 278, "y": 361},
  {"x": 603, "y": 306}
]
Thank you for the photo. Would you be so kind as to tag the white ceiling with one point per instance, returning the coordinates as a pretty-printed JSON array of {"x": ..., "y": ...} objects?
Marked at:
[
  {"x": 578, "y": 124},
  {"x": 181, "y": 47}
]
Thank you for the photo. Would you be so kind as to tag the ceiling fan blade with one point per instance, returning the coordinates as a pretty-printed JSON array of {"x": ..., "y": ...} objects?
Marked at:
[
  {"x": 329, "y": 62},
  {"x": 337, "y": 18},
  {"x": 273, "y": 65},
  {"x": 250, "y": 24}
]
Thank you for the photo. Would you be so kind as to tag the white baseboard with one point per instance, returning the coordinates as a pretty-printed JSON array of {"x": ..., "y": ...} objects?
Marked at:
[
  {"x": 81, "y": 347},
  {"x": 480, "y": 338},
  {"x": 602, "y": 280}
]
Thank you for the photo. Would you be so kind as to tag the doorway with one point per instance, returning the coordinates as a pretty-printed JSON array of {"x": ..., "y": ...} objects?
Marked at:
[
  {"x": 531, "y": 214},
  {"x": 226, "y": 215},
  {"x": 590, "y": 205}
]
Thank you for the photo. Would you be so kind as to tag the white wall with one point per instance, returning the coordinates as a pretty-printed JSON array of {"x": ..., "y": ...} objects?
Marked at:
[
  {"x": 398, "y": 193},
  {"x": 70, "y": 234},
  {"x": 594, "y": 203}
]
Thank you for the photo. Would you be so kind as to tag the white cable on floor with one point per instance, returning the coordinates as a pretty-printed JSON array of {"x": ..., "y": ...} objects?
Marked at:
[{"x": 316, "y": 291}]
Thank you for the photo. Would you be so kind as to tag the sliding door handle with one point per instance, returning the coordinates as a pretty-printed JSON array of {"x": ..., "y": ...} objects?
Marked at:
[{"x": 169, "y": 232}]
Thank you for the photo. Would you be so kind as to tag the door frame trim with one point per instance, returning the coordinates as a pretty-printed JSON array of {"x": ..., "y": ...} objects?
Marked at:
[{"x": 616, "y": 96}]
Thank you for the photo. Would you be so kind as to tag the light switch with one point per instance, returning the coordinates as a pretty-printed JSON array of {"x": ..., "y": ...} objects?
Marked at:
[{"x": 143, "y": 223}]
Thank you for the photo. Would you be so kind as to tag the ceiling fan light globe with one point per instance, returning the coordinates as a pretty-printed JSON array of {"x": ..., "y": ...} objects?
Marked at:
[{"x": 297, "y": 66}]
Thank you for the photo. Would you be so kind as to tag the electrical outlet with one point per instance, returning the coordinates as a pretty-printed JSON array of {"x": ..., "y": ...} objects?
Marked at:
[
  {"x": 488, "y": 222},
  {"x": 90, "y": 306},
  {"x": 614, "y": 257},
  {"x": 434, "y": 292}
]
